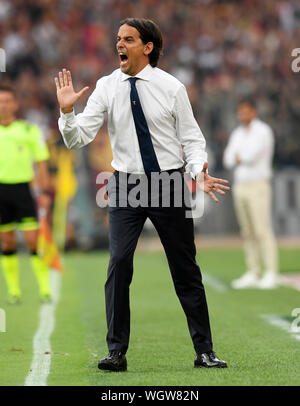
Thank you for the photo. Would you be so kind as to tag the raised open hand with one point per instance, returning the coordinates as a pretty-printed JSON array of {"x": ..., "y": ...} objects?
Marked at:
[
  {"x": 66, "y": 94},
  {"x": 210, "y": 184}
]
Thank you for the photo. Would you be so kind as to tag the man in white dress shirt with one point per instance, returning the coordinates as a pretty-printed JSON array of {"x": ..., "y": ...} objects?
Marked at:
[
  {"x": 249, "y": 153},
  {"x": 149, "y": 119}
]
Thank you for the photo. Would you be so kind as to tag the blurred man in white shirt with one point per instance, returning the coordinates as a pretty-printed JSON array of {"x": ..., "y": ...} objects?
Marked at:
[{"x": 249, "y": 153}]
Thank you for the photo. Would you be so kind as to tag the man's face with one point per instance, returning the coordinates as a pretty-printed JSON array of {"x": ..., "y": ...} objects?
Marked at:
[
  {"x": 246, "y": 113},
  {"x": 8, "y": 104},
  {"x": 133, "y": 53}
]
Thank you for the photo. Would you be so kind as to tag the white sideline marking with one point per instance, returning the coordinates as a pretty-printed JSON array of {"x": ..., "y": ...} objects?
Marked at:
[
  {"x": 214, "y": 282},
  {"x": 281, "y": 323},
  {"x": 40, "y": 365}
]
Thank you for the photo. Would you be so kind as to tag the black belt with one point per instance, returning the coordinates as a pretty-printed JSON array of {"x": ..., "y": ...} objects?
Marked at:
[
  {"x": 170, "y": 171},
  {"x": 181, "y": 170}
]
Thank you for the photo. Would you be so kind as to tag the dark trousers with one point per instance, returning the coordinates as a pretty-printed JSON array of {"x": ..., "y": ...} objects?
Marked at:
[{"x": 176, "y": 233}]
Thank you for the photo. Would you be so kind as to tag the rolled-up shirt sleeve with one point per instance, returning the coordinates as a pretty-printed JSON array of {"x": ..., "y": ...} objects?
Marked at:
[
  {"x": 79, "y": 130},
  {"x": 189, "y": 133}
]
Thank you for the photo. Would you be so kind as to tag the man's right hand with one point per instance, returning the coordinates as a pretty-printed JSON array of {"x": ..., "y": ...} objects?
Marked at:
[{"x": 66, "y": 94}]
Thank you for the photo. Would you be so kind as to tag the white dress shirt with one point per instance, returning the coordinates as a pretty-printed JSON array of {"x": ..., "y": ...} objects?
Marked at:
[
  {"x": 255, "y": 146},
  {"x": 167, "y": 111}
]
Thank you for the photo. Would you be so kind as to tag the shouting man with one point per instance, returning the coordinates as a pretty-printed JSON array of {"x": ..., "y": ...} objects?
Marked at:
[{"x": 149, "y": 120}]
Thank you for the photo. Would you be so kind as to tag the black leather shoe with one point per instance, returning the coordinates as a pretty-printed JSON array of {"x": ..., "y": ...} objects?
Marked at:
[
  {"x": 209, "y": 360},
  {"x": 115, "y": 361}
]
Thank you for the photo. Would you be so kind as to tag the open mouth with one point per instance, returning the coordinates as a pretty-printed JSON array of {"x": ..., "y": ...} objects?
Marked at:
[{"x": 123, "y": 58}]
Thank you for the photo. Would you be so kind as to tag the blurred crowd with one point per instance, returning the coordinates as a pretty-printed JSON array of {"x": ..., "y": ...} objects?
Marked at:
[{"x": 221, "y": 50}]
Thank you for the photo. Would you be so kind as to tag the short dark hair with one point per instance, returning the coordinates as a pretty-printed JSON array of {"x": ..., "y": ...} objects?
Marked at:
[
  {"x": 149, "y": 32},
  {"x": 7, "y": 88},
  {"x": 248, "y": 100}
]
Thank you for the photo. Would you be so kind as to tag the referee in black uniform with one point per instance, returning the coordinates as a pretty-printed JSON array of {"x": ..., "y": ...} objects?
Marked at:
[{"x": 149, "y": 120}]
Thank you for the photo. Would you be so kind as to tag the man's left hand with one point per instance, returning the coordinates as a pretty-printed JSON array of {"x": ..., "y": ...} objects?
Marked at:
[{"x": 210, "y": 184}]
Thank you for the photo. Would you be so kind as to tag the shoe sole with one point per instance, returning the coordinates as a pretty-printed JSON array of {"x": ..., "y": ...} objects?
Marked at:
[
  {"x": 109, "y": 367},
  {"x": 213, "y": 366}
]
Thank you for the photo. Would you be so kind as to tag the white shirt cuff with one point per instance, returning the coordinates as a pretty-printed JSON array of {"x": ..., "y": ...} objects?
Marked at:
[
  {"x": 194, "y": 169},
  {"x": 67, "y": 116}
]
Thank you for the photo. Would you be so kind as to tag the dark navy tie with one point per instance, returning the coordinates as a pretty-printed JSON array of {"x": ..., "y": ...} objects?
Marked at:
[{"x": 146, "y": 147}]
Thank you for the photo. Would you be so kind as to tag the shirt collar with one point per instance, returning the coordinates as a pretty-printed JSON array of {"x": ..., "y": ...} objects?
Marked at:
[
  {"x": 144, "y": 74},
  {"x": 251, "y": 124}
]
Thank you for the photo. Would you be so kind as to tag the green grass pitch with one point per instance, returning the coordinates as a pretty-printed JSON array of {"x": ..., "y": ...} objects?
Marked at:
[{"x": 161, "y": 351}]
